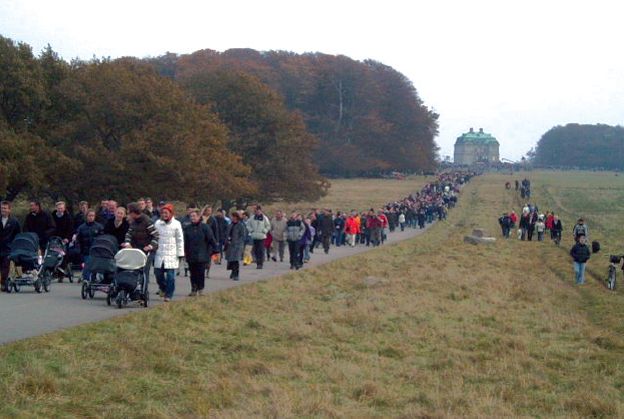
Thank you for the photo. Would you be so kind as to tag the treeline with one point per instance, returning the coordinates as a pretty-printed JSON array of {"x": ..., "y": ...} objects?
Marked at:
[
  {"x": 367, "y": 116},
  {"x": 204, "y": 127},
  {"x": 582, "y": 146}
]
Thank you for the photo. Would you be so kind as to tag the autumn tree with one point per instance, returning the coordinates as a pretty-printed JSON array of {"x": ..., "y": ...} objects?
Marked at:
[
  {"x": 137, "y": 133},
  {"x": 271, "y": 140}
]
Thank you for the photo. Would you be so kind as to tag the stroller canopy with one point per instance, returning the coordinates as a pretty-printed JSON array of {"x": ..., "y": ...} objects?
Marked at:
[
  {"x": 104, "y": 246},
  {"x": 25, "y": 243},
  {"x": 130, "y": 259}
]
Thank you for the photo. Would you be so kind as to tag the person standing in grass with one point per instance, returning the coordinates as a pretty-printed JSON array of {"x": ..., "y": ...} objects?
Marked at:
[
  {"x": 580, "y": 254},
  {"x": 199, "y": 245},
  {"x": 580, "y": 229},
  {"x": 235, "y": 244},
  {"x": 556, "y": 230},
  {"x": 540, "y": 227}
]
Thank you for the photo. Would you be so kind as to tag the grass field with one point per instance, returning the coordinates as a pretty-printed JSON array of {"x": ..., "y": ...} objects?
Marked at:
[
  {"x": 428, "y": 327},
  {"x": 358, "y": 194}
]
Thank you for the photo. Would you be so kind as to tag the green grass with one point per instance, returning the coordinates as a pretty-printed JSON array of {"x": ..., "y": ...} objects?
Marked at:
[{"x": 428, "y": 327}]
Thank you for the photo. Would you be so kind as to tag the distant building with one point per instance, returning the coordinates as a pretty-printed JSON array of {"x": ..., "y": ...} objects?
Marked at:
[{"x": 476, "y": 147}]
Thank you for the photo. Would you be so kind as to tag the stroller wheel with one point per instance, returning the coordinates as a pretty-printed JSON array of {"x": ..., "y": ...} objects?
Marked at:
[
  {"x": 91, "y": 293},
  {"x": 37, "y": 285},
  {"x": 16, "y": 287},
  {"x": 121, "y": 299},
  {"x": 146, "y": 299},
  {"x": 83, "y": 290},
  {"x": 8, "y": 286},
  {"x": 70, "y": 275}
]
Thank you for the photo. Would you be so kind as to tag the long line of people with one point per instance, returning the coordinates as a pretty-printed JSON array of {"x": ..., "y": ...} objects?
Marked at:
[{"x": 201, "y": 237}]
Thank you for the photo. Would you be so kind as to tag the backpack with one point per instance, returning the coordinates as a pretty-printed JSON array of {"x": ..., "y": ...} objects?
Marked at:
[{"x": 595, "y": 247}]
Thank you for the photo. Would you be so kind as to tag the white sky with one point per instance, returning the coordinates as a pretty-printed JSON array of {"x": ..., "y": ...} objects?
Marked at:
[{"x": 514, "y": 68}]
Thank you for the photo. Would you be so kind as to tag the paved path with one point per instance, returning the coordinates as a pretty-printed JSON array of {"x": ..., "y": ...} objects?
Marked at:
[{"x": 26, "y": 314}]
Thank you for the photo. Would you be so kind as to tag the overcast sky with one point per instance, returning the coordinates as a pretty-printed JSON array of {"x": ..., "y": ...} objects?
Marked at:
[{"x": 513, "y": 68}]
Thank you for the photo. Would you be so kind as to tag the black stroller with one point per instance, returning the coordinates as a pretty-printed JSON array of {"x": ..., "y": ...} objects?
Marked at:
[
  {"x": 130, "y": 283},
  {"x": 25, "y": 254},
  {"x": 53, "y": 260},
  {"x": 101, "y": 265}
]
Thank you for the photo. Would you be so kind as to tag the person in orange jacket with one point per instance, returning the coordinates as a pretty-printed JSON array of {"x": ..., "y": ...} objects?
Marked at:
[{"x": 352, "y": 228}]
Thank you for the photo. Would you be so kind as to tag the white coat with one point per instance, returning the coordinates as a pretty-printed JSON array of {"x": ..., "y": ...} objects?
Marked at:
[{"x": 170, "y": 244}]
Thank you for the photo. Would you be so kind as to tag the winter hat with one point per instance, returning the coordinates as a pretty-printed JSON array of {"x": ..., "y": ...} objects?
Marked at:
[{"x": 168, "y": 207}]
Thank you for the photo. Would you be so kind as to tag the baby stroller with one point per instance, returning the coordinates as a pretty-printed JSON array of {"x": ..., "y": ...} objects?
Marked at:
[
  {"x": 102, "y": 266},
  {"x": 129, "y": 283},
  {"x": 53, "y": 260},
  {"x": 25, "y": 254}
]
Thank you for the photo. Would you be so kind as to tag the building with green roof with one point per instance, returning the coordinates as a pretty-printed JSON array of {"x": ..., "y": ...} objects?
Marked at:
[{"x": 476, "y": 147}]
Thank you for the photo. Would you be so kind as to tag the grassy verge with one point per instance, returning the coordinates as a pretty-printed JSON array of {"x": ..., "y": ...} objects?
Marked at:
[{"x": 427, "y": 327}]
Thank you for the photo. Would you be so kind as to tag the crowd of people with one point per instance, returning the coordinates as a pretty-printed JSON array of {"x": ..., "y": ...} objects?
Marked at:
[
  {"x": 532, "y": 221},
  {"x": 192, "y": 242}
]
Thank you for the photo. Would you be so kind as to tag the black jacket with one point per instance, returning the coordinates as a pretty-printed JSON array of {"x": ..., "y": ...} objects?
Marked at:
[
  {"x": 199, "y": 243},
  {"x": 118, "y": 232},
  {"x": 326, "y": 225},
  {"x": 64, "y": 225},
  {"x": 7, "y": 234},
  {"x": 580, "y": 253},
  {"x": 222, "y": 226},
  {"x": 42, "y": 224},
  {"x": 214, "y": 226},
  {"x": 85, "y": 235}
]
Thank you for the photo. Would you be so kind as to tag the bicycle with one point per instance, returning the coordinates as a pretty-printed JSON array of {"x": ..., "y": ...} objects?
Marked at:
[{"x": 614, "y": 261}]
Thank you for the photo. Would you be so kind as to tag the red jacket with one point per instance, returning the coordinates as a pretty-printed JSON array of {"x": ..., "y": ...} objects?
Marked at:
[
  {"x": 550, "y": 220},
  {"x": 514, "y": 217},
  {"x": 351, "y": 226}
]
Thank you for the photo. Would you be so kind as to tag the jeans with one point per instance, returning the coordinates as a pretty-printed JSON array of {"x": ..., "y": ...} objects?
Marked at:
[
  {"x": 258, "y": 251},
  {"x": 86, "y": 273},
  {"x": 166, "y": 280},
  {"x": 198, "y": 275},
  {"x": 579, "y": 270},
  {"x": 305, "y": 253}
]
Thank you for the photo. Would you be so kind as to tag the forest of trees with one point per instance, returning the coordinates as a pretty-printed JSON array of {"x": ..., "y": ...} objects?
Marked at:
[
  {"x": 581, "y": 146},
  {"x": 232, "y": 126}
]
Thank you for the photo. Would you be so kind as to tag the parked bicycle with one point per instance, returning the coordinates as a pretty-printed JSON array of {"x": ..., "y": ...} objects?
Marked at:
[{"x": 614, "y": 262}]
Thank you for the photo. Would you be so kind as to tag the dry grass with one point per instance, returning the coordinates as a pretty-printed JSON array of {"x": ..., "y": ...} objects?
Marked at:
[
  {"x": 430, "y": 327},
  {"x": 358, "y": 194}
]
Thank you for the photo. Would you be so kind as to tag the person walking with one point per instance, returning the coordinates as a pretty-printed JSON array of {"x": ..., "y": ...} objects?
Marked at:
[
  {"x": 295, "y": 230},
  {"x": 402, "y": 221},
  {"x": 580, "y": 255},
  {"x": 581, "y": 229},
  {"x": 352, "y": 229},
  {"x": 9, "y": 228},
  {"x": 118, "y": 226},
  {"x": 212, "y": 222},
  {"x": 258, "y": 227},
  {"x": 339, "y": 227},
  {"x": 142, "y": 234},
  {"x": 557, "y": 228},
  {"x": 39, "y": 222},
  {"x": 278, "y": 231},
  {"x": 540, "y": 227},
  {"x": 81, "y": 215},
  {"x": 84, "y": 237},
  {"x": 63, "y": 222},
  {"x": 326, "y": 226},
  {"x": 199, "y": 245},
  {"x": 169, "y": 252},
  {"x": 235, "y": 245}
]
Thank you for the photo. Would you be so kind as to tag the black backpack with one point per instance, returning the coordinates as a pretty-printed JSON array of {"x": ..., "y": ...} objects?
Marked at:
[{"x": 595, "y": 247}]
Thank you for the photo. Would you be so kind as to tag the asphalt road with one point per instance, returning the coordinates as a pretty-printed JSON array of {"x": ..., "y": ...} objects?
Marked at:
[{"x": 26, "y": 314}]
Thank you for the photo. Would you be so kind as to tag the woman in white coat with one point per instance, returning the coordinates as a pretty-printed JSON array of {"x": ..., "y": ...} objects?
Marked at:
[{"x": 170, "y": 250}]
